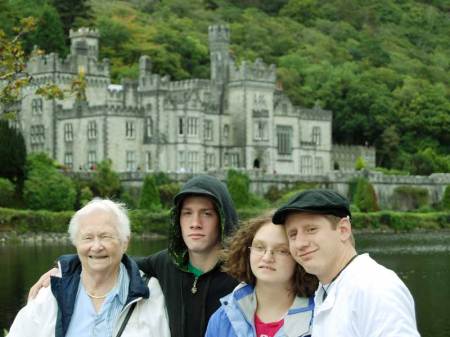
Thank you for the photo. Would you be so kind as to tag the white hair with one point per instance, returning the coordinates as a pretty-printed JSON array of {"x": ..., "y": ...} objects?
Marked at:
[{"x": 118, "y": 210}]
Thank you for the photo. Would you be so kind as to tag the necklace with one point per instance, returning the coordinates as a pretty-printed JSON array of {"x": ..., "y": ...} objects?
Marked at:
[
  {"x": 325, "y": 289},
  {"x": 96, "y": 297}
]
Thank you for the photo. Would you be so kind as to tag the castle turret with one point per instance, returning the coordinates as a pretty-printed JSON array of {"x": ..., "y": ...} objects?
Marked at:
[
  {"x": 219, "y": 42},
  {"x": 84, "y": 41}
]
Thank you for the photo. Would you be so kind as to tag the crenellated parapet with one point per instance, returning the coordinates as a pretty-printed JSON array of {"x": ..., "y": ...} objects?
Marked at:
[
  {"x": 84, "y": 32},
  {"x": 193, "y": 84},
  {"x": 52, "y": 63},
  {"x": 256, "y": 71},
  {"x": 219, "y": 36},
  {"x": 84, "y": 110}
]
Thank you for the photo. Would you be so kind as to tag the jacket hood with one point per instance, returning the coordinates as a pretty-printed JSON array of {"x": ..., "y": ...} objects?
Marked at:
[{"x": 207, "y": 186}]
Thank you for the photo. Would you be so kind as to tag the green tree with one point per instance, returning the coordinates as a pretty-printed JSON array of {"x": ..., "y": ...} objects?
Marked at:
[
  {"x": 365, "y": 197},
  {"x": 86, "y": 195},
  {"x": 13, "y": 72},
  {"x": 149, "y": 195},
  {"x": 445, "y": 202},
  {"x": 46, "y": 187},
  {"x": 13, "y": 153},
  {"x": 49, "y": 33},
  {"x": 360, "y": 163},
  {"x": 239, "y": 186},
  {"x": 105, "y": 182},
  {"x": 6, "y": 192},
  {"x": 73, "y": 13}
]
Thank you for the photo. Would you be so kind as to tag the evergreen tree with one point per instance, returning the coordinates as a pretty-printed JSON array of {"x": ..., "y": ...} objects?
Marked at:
[
  {"x": 12, "y": 153},
  {"x": 239, "y": 186},
  {"x": 72, "y": 13},
  {"x": 49, "y": 33},
  {"x": 106, "y": 182},
  {"x": 149, "y": 195},
  {"x": 445, "y": 203},
  {"x": 365, "y": 197}
]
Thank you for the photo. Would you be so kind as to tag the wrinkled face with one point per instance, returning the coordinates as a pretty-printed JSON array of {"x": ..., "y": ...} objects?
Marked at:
[
  {"x": 315, "y": 244},
  {"x": 270, "y": 260},
  {"x": 199, "y": 223},
  {"x": 98, "y": 243}
]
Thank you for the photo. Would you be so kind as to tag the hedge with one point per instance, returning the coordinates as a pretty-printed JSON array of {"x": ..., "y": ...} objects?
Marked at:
[
  {"x": 142, "y": 221},
  {"x": 23, "y": 221}
]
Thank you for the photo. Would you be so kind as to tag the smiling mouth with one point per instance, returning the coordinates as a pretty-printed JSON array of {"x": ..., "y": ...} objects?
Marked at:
[
  {"x": 307, "y": 254},
  {"x": 267, "y": 267},
  {"x": 97, "y": 257}
]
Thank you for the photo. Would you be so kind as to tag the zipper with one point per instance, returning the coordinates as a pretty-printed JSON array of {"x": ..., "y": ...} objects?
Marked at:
[{"x": 194, "y": 285}]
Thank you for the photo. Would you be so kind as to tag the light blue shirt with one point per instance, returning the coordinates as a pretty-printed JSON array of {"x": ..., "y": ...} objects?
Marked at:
[{"x": 86, "y": 321}]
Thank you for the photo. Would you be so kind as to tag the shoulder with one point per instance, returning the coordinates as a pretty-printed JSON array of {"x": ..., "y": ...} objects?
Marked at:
[
  {"x": 153, "y": 263},
  {"x": 366, "y": 273},
  {"x": 218, "y": 323}
]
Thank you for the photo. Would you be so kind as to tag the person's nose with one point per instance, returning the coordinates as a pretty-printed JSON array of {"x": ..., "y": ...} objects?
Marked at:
[
  {"x": 196, "y": 222},
  {"x": 268, "y": 255},
  {"x": 97, "y": 244},
  {"x": 300, "y": 242}
]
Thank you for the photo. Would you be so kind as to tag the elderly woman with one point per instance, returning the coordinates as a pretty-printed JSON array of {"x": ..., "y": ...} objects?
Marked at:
[
  {"x": 275, "y": 296},
  {"x": 100, "y": 291}
]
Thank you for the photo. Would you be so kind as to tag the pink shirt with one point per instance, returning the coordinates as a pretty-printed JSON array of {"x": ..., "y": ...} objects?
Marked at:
[{"x": 267, "y": 329}]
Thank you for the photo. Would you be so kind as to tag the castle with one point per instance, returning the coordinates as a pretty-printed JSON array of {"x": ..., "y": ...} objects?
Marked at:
[{"x": 238, "y": 118}]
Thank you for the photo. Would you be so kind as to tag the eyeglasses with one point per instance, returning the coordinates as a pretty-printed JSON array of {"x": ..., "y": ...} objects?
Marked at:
[{"x": 261, "y": 251}]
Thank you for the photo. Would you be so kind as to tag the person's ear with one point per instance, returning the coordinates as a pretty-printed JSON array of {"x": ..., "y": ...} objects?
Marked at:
[
  {"x": 125, "y": 245},
  {"x": 344, "y": 227}
]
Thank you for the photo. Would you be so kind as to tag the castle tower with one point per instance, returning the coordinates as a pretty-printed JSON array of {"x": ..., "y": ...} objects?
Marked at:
[
  {"x": 84, "y": 41},
  {"x": 219, "y": 42}
]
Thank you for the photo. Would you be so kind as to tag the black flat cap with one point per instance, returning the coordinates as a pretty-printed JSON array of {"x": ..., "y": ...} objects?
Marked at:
[{"x": 318, "y": 201}]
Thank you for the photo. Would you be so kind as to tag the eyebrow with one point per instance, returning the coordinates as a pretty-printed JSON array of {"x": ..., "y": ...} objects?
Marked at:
[{"x": 275, "y": 245}]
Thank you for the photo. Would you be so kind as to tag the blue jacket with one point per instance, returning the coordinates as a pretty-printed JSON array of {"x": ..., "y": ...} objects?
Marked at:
[
  {"x": 235, "y": 317},
  {"x": 65, "y": 288}
]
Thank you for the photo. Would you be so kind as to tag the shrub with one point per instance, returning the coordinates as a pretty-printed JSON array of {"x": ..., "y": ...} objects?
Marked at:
[
  {"x": 149, "y": 195},
  {"x": 273, "y": 193},
  {"x": 161, "y": 178},
  {"x": 106, "y": 182},
  {"x": 360, "y": 163},
  {"x": 364, "y": 196},
  {"x": 6, "y": 193},
  {"x": 86, "y": 195},
  {"x": 445, "y": 203},
  {"x": 406, "y": 198},
  {"x": 167, "y": 192},
  {"x": 46, "y": 187},
  {"x": 239, "y": 186}
]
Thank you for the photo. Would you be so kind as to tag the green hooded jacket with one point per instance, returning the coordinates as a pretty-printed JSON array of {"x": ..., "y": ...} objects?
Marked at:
[{"x": 189, "y": 310}]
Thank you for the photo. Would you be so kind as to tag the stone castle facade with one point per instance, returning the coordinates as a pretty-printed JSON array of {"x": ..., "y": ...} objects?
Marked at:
[{"x": 238, "y": 118}]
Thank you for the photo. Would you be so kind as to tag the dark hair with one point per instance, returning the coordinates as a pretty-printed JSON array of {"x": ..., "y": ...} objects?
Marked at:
[{"x": 236, "y": 257}]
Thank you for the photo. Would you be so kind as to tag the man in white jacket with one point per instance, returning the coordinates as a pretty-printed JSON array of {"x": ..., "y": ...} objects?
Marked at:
[{"x": 356, "y": 296}]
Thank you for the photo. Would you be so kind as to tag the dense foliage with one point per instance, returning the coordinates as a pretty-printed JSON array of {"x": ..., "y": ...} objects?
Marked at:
[
  {"x": 46, "y": 187},
  {"x": 12, "y": 153},
  {"x": 149, "y": 199},
  {"x": 105, "y": 182},
  {"x": 381, "y": 66},
  {"x": 6, "y": 192}
]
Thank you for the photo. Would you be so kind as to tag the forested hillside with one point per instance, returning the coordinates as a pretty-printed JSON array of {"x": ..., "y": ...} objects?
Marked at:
[{"x": 382, "y": 66}]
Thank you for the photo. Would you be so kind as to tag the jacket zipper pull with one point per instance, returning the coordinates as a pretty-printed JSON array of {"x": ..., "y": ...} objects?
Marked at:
[{"x": 194, "y": 286}]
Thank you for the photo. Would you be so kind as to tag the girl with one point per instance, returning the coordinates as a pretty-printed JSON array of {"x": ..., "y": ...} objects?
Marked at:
[{"x": 275, "y": 296}]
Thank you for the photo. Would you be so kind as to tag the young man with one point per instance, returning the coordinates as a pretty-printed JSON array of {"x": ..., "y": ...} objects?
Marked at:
[
  {"x": 356, "y": 296},
  {"x": 189, "y": 271}
]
